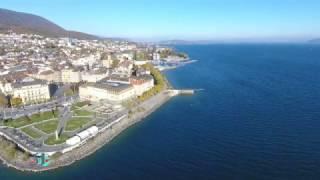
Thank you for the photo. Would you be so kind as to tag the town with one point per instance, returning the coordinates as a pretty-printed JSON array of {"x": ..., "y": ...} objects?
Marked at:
[{"x": 56, "y": 94}]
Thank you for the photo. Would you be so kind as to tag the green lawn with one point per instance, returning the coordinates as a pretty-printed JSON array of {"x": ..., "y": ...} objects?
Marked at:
[
  {"x": 81, "y": 104},
  {"x": 73, "y": 107},
  {"x": 44, "y": 116},
  {"x": 76, "y": 123},
  {"x": 23, "y": 121},
  {"x": 82, "y": 113},
  {"x": 31, "y": 132},
  {"x": 16, "y": 123},
  {"x": 48, "y": 127},
  {"x": 52, "y": 139}
]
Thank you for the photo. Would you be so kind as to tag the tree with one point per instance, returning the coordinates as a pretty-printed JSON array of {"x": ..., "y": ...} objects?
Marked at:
[
  {"x": 74, "y": 88},
  {"x": 115, "y": 63},
  {"x": 56, "y": 155},
  {"x": 3, "y": 100},
  {"x": 141, "y": 56},
  {"x": 165, "y": 53},
  {"x": 16, "y": 101},
  {"x": 26, "y": 156},
  {"x": 159, "y": 83},
  {"x": 53, "y": 113},
  {"x": 68, "y": 92},
  {"x": 182, "y": 55},
  {"x": 104, "y": 56},
  {"x": 135, "y": 55},
  {"x": 2, "y": 51}
]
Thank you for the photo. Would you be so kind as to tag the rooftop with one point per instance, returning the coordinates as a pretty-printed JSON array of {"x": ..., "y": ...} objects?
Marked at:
[
  {"x": 111, "y": 86},
  {"x": 27, "y": 82}
]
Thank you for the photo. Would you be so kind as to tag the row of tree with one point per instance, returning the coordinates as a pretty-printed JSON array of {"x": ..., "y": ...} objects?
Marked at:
[
  {"x": 159, "y": 81},
  {"x": 6, "y": 101}
]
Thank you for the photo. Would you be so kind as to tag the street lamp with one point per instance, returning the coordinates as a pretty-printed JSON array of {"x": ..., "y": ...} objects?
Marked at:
[
  {"x": 11, "y": 105},
  {"x": 4, "y": 113}
]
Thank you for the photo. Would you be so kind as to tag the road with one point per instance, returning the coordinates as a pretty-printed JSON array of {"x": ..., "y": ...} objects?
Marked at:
[
  {"x": 64, "y": 115},
  {"x": 8, "y": 113}
]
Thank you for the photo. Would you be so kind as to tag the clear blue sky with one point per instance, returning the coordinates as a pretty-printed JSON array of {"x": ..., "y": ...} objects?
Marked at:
[{"x": 185, "y": 19}]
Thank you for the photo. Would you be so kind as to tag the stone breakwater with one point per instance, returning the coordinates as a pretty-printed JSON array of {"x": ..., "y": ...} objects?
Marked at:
[{"x": 98, "y": 141}]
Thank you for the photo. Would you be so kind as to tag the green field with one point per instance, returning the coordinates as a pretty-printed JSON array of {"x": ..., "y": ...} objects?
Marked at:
[
  {"x": 52, "y": 139},
  {"x": 81, "y": 104},
  {"x": 76, "y": 123},
  {"x": 31, "y": 132},
  {"x": 48, "y": 127},
  {"x": 24, "y": 121},
  {"x": 73, "y": 107},
  {"x": 82, "y": 113},
  {"x": 44, "y": 116}
]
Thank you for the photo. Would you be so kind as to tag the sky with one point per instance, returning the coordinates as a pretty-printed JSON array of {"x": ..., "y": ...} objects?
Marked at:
[{"x": 149, "y": 20}]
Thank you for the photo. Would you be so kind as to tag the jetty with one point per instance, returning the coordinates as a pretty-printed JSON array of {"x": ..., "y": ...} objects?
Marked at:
[{"x": 176, "y": 92}]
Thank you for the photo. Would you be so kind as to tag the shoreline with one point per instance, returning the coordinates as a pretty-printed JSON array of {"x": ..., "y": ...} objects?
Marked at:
[{"x": 100, "y": 140}]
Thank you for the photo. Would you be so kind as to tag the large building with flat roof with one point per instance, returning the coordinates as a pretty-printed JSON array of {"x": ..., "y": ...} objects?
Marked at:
[{"x": 104, "y": 90}]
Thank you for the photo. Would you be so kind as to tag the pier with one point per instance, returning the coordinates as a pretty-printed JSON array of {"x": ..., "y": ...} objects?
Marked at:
[
  {"x": 186, "y": 91},
  {"x": 176, "y": 92}
]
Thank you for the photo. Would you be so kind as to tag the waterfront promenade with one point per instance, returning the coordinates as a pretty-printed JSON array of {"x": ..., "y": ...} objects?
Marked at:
[{"x": 101, "y": 139}]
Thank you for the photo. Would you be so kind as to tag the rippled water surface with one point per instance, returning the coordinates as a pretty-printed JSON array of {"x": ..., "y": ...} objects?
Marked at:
[{"x": 258, "y": 117}]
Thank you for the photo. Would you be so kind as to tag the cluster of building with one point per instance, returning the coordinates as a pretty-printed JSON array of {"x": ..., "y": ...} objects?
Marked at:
[{"x": 106, "y": 69}]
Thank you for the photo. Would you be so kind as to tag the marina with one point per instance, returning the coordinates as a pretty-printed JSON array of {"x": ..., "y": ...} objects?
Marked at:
[{"x": 163, "y": 65}]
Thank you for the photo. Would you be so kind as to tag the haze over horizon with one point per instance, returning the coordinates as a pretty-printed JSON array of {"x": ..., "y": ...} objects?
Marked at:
[{"x": 146, "y": 20}]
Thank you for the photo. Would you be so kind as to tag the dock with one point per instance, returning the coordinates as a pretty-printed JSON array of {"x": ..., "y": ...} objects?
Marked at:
[
  {"x": 176, "y": 92},
  {"x": 186, "y": 92}
]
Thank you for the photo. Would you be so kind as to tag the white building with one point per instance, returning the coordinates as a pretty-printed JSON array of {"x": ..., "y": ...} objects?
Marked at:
[
  {"x": 142, "y": 83},
  {"x": 156, "y": 56},
  {"x": 6, "y": 88},
  {"x": 125, "y": 56},
  {"x": 140, "y": 63},
  {"x": 107, "y": 63},
  {"x": 49, "y": 75},
  {"x": 70, "y": 76},
  {"x": 63, "y": 76},
  {"x": 29, "y": 90},
  {"x": 124, "y": 68},
  {"x": 93, "y": 76},
  {"x": 88, "y": 60},
  {"x": 114, "y": 92}
]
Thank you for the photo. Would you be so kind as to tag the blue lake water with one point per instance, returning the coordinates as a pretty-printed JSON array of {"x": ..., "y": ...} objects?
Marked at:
[{"x": 258, "y": 117}]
